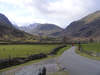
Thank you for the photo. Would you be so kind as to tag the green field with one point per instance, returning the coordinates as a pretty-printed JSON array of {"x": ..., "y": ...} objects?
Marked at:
[
  {"x": 46, "y": 47},
  {"x": 94, "y": 47},
  {"x": 11, "y": 51}
]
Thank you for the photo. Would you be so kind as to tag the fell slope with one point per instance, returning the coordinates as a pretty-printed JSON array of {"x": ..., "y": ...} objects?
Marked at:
[
  {"x": 88, "y": 27},
  {"x": 9, "y": 32}
]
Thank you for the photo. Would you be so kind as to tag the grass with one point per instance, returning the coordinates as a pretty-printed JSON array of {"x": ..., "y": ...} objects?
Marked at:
[
  {"x": 94, "y": 47},
  {"x": 25, "y": 64},
  {"x": 7, "y": 51},
  {"x": 58, "y": 54},
  {"x": 63, "y": 49},
  {"x": 35, "y": 61},
  {"x": 59, "y": 73},
  {"x": 86, "y": 55}
]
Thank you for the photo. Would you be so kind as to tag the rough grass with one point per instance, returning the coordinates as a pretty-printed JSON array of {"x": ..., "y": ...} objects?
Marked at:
[
  {"x": 94, "y": 47},
  {"x": 11, "y": 51}
]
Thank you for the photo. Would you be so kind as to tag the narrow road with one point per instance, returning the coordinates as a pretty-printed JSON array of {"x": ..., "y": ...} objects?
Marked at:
[{"x": 78, "y": 65}]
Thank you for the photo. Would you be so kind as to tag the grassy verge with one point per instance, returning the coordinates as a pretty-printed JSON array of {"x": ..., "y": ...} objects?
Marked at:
[
  {"x": 90, "y": 47},
  {"x": 35, "y": 61},
  {"x": 86, "y": 55},
  {"x": 58, "y": 54},
  {"x": 94, "y": 47},
  {"x": 63, "y": 49}
]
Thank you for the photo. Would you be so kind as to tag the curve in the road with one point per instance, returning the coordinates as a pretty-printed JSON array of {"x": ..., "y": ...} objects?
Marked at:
[{"x": 78, "y": 65}]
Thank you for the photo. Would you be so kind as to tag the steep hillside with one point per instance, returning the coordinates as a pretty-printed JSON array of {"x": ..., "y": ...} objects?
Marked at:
[
  {"x": 43, "y": 29},
  {"x": 87, "y": 27},
  {"x": 9, "y": 32}
]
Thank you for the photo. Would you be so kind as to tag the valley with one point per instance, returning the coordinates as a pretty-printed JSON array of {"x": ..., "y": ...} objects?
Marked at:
[{"x": 50, "y": 46}]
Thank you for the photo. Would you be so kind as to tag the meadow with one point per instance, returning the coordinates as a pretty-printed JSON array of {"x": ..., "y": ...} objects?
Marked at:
[
  {"x": 94, "y": 47},
  {"x": 11, "y": 51}
]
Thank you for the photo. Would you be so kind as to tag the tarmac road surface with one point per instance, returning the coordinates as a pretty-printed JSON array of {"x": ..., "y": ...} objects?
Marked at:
[{"x": 78, "y": 65}]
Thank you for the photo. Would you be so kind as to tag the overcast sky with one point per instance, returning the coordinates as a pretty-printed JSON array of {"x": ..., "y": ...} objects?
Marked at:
[{"x": 60, "y": 12}]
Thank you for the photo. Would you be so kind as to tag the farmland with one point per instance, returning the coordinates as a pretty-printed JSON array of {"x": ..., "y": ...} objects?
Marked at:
[{"x": 11, "y": 51}]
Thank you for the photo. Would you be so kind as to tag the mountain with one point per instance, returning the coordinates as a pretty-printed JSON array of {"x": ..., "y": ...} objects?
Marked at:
[
  {"x": 8, "y": 31},
  {"x": 87, "y": 27},
  {"x": 42, "y": 29},
  {"x": 29, "y": 27},
  {"x": 4, "y": 21}
]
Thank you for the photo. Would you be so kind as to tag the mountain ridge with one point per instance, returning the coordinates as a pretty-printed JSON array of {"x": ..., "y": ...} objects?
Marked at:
[
  {"x": 87, "y": 27},
  {"x": 44, "y": 29},
  {"x": 9, "y": 32}
]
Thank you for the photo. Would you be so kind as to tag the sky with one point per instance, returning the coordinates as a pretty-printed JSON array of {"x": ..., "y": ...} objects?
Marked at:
[{"x": 59, "y": 12}]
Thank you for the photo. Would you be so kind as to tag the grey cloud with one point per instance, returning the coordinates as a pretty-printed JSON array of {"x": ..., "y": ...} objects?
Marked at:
[
  {"x": 62, "y": 15},
  {"x": 60, "y": 12}
]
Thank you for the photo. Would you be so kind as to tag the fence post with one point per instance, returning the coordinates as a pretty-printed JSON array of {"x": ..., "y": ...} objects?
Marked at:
[{"x": 79, "y": 46}]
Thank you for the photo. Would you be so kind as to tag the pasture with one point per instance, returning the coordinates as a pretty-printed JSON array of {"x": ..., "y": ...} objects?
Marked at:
[{"x": 11, "y": 51}]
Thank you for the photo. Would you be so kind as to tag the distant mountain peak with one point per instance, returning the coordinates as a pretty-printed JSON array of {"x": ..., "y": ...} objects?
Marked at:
[{"x": 45, "y": 29}]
